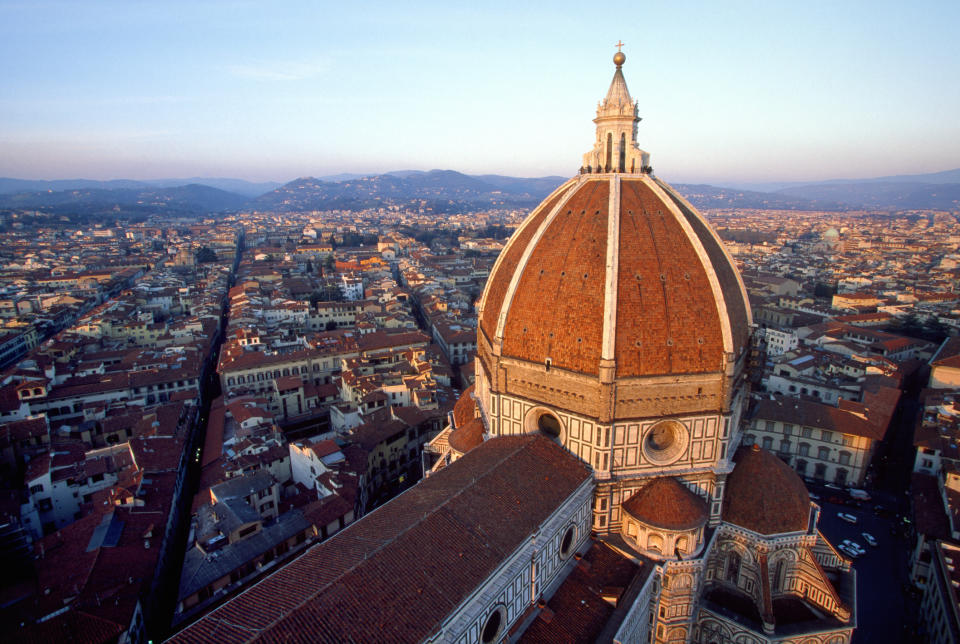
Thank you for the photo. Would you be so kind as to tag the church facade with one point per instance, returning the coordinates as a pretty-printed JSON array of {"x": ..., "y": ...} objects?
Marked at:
[{"x": 591, "y": 484}]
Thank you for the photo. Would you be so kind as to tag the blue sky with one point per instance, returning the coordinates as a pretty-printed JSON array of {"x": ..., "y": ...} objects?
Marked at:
[{"x": 729, "y": 91}]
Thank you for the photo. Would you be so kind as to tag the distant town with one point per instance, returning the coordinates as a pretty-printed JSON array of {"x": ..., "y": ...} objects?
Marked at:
[{"x": 189, "y": 402}]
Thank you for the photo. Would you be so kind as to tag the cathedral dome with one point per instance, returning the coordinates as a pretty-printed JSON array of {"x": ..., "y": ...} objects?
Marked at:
[
  {"x": 765, "y": 495},
  {"x": 616, "y": 267},
  {"x": 666, "y": 503},
  {"x": 616, "y": 276}
]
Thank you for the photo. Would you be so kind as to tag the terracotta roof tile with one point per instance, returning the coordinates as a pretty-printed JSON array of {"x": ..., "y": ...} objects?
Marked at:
[
  {"x": 765, "y": 495},
  {"x": 667, "y": 503},
  {"x": 668, "y": 263},
  {"x": 499, "y": 279},
  {"x": 578, "y": 611},
  {"x": 737, "y": 307},
  {"x": 465, "y": 409},
  {"x": 662, "y": 326},
  {"x": 557, "y": 308},
  {"x": 465, "y": 438},
  {"x": 468, "y": 516}
]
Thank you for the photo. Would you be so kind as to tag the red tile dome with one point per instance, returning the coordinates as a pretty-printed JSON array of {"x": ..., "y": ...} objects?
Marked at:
[
  {"x": 465, "y": 438},
  {"x": 465, "y": 408},
  {"x": 668, "y": 504},
  {"x": 617, "y": 266},
  {"x": 765, "y": 495}
]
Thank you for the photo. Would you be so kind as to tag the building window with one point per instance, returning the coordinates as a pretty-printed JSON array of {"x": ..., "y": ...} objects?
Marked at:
[
  {"x": 826, "y": 436},
  {"x": 785, "y": 446},
  {"x": 665, "y": 442},
  {"x": 823, "y": 453},
  {"x": 767, "y": 443},
  {"x": 733, "y": 567},
  {"x": 806, "y": 432},
  {"x": 493, "y": 626},
  {"x": 549, "y": 425},
  {"x": 804, "y": 449},
  {"x": 770, "y": 425},
  {"x": 787, "y": 429},
  {"x": 36, "y": 489},
  {"x": 844, "y": 458},
  {"x": 566, "y": 543},
  {"x": 801, "y": 467},
  {"x": 655, "y": 543}
]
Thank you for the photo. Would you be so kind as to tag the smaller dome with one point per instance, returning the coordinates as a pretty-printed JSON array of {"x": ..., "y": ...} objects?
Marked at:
[
  {"x": 466, "y": 437},
  {"x": 765, "y": 495},
  {"x": 666, "y": 503},
  {"x": 465, "y": 409}
]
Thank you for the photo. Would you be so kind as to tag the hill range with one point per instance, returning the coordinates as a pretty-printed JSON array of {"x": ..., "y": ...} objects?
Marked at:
[{"x": 447, "y": 191}]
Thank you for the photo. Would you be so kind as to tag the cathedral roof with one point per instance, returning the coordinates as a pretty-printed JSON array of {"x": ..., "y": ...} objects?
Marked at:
[
  {"x": 617, "y": 267},
  {"x": 666, "y": 503},
  {"x": 765, "y": 495},
  {"x": 398, "y": 572}
]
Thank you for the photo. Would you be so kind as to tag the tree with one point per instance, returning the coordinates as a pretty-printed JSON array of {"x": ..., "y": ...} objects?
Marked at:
[
  {"x": 822, "y": 289},
  {"x": 205, "y": 255},
  {"x": 309, "y": 266},
  {"x": 935, "y": 330},
  {"x": 910, "y": 325}
]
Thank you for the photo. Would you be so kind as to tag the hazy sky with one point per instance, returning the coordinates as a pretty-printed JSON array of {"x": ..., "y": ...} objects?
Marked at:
[{"x": 728, "y": 91}]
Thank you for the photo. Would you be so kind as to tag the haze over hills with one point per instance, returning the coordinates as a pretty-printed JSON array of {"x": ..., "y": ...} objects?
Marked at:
[
  {"x": 887, "y": 194},
  {"x": 448, "y": 191},
  {"x": 239, "y": 186},
  {"x": 945, "y": 176},
  {"x": 191, "y": 199}
]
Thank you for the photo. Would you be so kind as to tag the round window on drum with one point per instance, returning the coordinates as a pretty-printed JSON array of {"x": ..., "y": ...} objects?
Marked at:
[{"x": 665, "y": 442}]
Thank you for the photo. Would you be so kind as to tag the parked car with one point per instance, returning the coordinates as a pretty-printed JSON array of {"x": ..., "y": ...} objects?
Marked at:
[
  {"x": 853, "y": 545},
  {"x": 860, "y": 495},
  {"x": 849, "y": 518},
  {"x": 850, "y": 552},
  {"x": 869, "y": 538}
]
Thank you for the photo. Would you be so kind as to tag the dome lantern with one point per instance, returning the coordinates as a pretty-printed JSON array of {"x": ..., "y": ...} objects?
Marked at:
[{"x": 615, "y": 148}]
